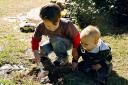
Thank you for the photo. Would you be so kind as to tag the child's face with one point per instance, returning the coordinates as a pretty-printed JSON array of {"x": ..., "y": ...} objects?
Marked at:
[
  {"x": 88, "y": 43},
  {"x": 50, "y": 26}
]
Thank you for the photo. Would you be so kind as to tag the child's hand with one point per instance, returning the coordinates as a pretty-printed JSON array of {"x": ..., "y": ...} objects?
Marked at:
[
  {"x": 37, "y": 56},
  {"x": 74, "y": 66},
  {"x": 36, "y": 59},
  {"x": 96, "y": 67}
]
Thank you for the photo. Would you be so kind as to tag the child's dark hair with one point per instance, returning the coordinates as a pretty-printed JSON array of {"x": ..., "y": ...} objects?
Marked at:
[{"x": 51, "y": 12}]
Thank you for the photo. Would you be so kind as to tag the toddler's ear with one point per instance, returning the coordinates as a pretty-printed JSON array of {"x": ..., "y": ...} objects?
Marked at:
[{"x": 96, "y": 40}]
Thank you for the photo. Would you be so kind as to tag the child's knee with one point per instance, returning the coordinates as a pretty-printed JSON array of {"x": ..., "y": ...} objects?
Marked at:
[
  {"x": 45, "y": 49},
  {"x": 60, "y": 43}
]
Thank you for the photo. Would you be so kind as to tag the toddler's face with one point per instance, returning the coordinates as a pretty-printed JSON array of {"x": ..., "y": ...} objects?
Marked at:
[
  {"x": 88, "y": 43},
  {"x": 50, "y": 26}
]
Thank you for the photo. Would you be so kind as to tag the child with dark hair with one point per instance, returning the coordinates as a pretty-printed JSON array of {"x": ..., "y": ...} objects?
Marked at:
[
  {"x": 62, "y": 35},
  {"x": 96, "y": 55}
]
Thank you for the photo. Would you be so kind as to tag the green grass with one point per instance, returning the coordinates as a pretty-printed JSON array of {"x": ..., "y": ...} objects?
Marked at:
[
  {"x": 12, "y": 42},
  {"x": 15, "y": 43},
  {"x": 7, "y": 82},
  {"x": 119, "y": 46}
]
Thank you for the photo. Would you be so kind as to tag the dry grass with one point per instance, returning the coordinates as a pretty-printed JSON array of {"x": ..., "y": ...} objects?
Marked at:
[{"x": 15, "y": 43}]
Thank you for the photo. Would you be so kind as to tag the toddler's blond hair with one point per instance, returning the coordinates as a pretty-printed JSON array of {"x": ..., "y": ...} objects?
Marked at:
[{"x": 90, "y": 32}]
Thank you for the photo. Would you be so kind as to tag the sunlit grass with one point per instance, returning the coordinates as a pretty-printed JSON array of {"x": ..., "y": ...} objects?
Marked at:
[
  {"x": 13, "y": 7},
  {"x": 14, "y": 44},
  {"x": 118, "y": 43},
  {"x": 119, "y": 46}
]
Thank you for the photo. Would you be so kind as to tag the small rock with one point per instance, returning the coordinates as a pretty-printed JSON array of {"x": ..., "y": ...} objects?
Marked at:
[
  {"x": 22, "y": 67},
  {"x": 15, "y": 67},
  {"x": 1, "y": 84},
  {"x": 6, "y": 67}
]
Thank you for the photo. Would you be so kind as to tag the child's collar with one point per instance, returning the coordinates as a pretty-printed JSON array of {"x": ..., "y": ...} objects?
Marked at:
[{"x": 100, "y": 46}]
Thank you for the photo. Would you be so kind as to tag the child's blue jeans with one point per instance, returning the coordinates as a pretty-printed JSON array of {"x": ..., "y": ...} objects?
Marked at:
[{"x": 58, "y": 45}]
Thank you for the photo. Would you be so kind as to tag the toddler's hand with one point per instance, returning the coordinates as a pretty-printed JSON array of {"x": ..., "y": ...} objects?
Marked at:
[
  {"x": 74, "y": 66},
  {"x": 96, "y": 67}
]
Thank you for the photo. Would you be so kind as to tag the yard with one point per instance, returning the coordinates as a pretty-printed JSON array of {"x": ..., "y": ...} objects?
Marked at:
[{"x": 14, "y": 45}]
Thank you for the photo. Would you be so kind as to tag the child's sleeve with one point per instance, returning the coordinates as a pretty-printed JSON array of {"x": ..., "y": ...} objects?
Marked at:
[
  {"x": 36, "y": 38},
  {"x": 73, "y": 34},
  {"x": 76, "y": 40}
]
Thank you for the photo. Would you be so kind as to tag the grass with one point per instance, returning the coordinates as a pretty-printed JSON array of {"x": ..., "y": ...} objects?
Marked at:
[
  {"x": 11, "y": 7},
  {"x": 119, "y": 45},
  {"x": 11, "y": 41},
  {"x": 14, "y": 44}
]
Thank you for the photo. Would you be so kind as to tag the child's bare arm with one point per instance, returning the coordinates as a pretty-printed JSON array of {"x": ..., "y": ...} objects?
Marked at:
[
  {"x": 75, "y": 59},
  {"x": 75, "y": 55}
]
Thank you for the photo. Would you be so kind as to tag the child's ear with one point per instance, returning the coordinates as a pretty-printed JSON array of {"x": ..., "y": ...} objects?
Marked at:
[
  {"x": 96, "y": 40},
  {"x": 58, "y": 18}
]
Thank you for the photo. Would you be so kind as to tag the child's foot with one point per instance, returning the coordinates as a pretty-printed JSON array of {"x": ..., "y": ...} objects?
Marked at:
[
  {"x": 64, "y": 61},
  {"x": 61, "y": 61},
  {"x": 45, "y": 80},
  {"x": 42, "y": 74}
]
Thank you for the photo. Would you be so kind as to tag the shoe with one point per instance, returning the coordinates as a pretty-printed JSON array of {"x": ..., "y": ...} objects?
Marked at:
[
  {"x": 61, "y": 61},
  {"x": 42, "y": 74},
  {"x": 45, "y": 80},
  {"x": 64, "y": 61}
]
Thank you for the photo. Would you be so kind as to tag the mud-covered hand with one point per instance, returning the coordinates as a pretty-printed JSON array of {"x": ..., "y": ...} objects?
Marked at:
[{"x": 74, "y": 66}]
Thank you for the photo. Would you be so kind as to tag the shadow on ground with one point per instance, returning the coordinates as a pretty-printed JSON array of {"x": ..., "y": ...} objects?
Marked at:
[{"x": 78, "y": 78}]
